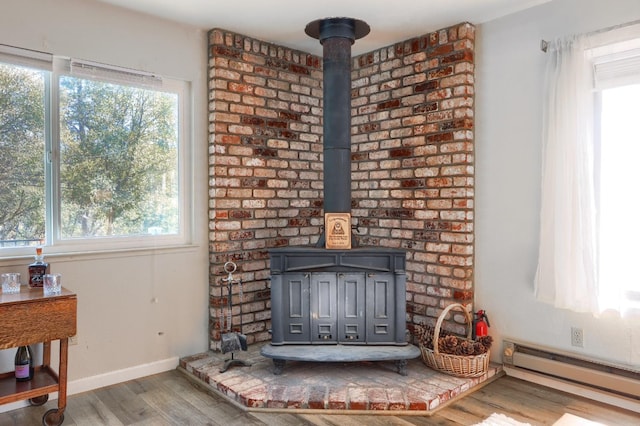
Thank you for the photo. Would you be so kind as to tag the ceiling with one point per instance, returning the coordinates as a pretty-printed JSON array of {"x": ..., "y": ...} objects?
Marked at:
[{"x": 283, "y": 21}]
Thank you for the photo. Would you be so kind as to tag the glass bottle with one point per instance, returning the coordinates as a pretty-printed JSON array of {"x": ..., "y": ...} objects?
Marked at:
[
  {"x": 38, "y": 269},
  {"x": 24, "y": 364}
]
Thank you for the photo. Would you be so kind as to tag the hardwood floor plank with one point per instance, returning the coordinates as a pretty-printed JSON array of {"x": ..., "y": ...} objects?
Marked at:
[
  {"x": 281, "y": 419},
  {"x": 175, "y": 409},
  {"x": 209, "y": 404},
  {"x": 88, "y": 409},
  {"x": 318, "y": 420},
  {"x": 170, "y": 399},
  {"x": 179, "y": 402},
  {"x": 354, "y": 420},
  {"x": 127, "y": 406},
  {"x": 535, "y": 404},
  {"x": 464, "y": 413},
  {"x": 548, "y": 405},
  {"x": 435, "y": 421},
  {"x": 151, "y": 421},
  {"x": 142, "y": 384},
  {"x": 498, "y": 399},
  {"x": 22, "y": 417}
]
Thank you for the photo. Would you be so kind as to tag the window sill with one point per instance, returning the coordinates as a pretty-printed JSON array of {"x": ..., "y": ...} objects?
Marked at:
[{"x": 88, "y": 255}]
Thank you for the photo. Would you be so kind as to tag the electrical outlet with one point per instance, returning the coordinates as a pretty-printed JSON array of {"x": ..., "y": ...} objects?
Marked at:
[
  {"x": 577, "y": 337},
  {"x": 73, "y": 340},
  {"x": 507, "y": 353}
]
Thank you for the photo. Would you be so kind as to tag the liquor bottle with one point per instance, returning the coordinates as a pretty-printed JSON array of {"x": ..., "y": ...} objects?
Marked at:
[
  {"x": 24, "y": 364},
  {"x": 38, "y": 269}
]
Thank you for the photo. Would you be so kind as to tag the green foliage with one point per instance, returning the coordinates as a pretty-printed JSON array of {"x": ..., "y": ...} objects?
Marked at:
[
  {"x": 118, "y": 158},
  {"x": 21, "y": 154}
]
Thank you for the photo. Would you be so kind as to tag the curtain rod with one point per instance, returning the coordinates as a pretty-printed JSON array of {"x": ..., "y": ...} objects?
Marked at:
[{"x": 544, "y": 44}]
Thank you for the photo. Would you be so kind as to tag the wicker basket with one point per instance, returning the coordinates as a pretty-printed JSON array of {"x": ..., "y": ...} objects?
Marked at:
[{"x": 455, "y": 365}]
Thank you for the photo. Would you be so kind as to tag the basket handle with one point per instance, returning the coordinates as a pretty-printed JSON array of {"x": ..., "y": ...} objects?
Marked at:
[{"x": 436, "y": 331}]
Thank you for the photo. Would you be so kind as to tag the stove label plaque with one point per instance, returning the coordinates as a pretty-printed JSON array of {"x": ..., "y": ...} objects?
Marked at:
[{"x": 337, "y": 230}]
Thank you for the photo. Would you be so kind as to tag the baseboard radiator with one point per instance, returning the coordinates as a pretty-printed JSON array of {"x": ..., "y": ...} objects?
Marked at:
[{"x": 609, "y": 383}]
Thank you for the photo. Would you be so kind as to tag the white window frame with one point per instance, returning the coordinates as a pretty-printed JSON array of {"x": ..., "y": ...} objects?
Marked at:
[{"x": 63, "y": 66}]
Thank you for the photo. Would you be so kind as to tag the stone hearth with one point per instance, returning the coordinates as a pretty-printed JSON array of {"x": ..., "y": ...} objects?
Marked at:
[{"x": 355, "y": 386}]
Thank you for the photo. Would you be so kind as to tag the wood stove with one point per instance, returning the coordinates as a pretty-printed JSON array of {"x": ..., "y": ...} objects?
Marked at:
[
  {"x": 347, "y": 304},
  {"x": 338, "y": 297},
  {"x": 338, "y": 306}
]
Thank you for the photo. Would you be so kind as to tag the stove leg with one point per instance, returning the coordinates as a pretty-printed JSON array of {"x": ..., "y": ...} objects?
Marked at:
[
  {"x": 401, "y": 364},
  {"x": 279, "y": 366}
]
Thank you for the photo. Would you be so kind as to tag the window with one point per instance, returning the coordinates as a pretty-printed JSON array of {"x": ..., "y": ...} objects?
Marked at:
[
  {"x": 588, "y": 243},
  {"x": 91, "y": 156},
  {"x": 617, "y": 80}
]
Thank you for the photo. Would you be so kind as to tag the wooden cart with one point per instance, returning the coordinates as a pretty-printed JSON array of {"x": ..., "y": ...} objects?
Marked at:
[{"x": 28, "y": 318}]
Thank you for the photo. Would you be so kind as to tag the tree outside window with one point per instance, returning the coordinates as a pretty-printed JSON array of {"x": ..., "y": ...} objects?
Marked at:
[
  {"x": 114, "y": 170},
  {"x": 118, "y": 159},
  {"x": 22, "y": 142}
]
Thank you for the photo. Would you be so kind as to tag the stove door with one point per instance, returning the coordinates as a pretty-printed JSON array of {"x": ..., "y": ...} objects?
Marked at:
[
  {"x": 295, "y": 307},
  {"x": 351, "y": 308},
  {"x": 324, "y": 310},
  {"x": 381, "y": 313}
]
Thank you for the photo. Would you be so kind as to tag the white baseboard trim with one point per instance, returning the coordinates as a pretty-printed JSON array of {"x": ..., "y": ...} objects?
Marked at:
[
  {"x": 106, "y": 379},
  {"x": 119, "y": 376}
]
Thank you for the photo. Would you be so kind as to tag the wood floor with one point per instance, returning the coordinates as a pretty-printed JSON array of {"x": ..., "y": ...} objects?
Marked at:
[{"x": 170, "y": 398}]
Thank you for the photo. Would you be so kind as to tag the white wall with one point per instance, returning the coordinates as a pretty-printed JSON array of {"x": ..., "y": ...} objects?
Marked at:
[
  {"x": 137, "y": 312},
  {"x": 509, "y": 77}
]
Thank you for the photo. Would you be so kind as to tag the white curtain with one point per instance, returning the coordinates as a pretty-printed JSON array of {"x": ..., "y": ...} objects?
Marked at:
[{"x": 567, "y": 264}]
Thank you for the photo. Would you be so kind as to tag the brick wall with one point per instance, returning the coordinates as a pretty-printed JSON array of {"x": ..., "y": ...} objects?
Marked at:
[
  {"x": 412, "y": 165},
  {"x": 413, "y": 162},
  {"x": 265, "y": 128}
]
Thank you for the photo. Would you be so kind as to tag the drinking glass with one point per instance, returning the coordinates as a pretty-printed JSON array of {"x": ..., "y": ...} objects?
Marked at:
[
  {"x": 11, "y": 283},
  {"x": 52, "y": 284}
]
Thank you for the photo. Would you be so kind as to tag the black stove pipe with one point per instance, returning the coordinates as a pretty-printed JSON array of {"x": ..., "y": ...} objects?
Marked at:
[{"x": 336, "y": 36}]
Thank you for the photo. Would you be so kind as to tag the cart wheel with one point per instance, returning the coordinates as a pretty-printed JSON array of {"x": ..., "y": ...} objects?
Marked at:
[
  {"x": 39, "y": 400},
  {"x": 53, "y": 418}
]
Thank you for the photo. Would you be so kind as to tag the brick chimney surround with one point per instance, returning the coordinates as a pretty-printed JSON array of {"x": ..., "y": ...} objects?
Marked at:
[{"x": 412, "y": 166}]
